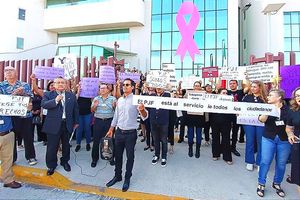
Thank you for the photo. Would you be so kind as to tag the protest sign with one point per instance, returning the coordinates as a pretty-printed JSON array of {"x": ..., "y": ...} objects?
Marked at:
[
  {"x": 107, "y": 74},
  {"x": 213, "y": 106},
  {"x": 133, "y": 76},
  {"x": 290, "y": 79},
  {"x": 233, "y": 73},
  {"x": 262, "y": 72},
  {"x": 69, "y": 63},
  {"x": 188, "y": 82},
  {"x": 170, "y": 69},
  {"x": 210, "y": 72},
  {"x": 89, "y": 87},
  {"x": 48, "y": 73},
  {"x": 157, "y": 79},
  {"x": 13, "y": 105},
  {"x": 249, "y": 120}
]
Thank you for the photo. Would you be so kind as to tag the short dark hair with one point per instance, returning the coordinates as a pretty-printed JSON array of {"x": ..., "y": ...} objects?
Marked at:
[
  {"x": 48, "y": 85},
  {"x": 234, "y": 81},
  {"x": 131, "y": 81}
]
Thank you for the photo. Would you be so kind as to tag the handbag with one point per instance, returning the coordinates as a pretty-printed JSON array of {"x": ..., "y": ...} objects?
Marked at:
[
  {"x": 107, "y": 148},
  {"x": 36, "y": 120}
]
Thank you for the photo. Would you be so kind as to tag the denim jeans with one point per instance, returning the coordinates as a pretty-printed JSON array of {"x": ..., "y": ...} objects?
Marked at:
[
  {"x": 84, "y": 126},
  {"x": 191, "y": 135},
  {"x": 253, "y": 134},
  {"x": 269, "y": 148}
]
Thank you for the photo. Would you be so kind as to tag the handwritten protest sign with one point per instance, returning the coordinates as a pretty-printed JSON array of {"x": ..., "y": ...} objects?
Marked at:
[
  {"x": 233, "y": 73},
  {"x": 69, "y": 63},
  {"x": 210, "y": 72},
  {"x": 213, "y": 106},
  {"x": 170, "y": 69},
  {"x": 262, "y": 72},
  {"x": 89, "y": 87},
  {"x": 107, "y": 74},
  {"x": 48, "y": 73},
  {"x": 157, "y": 79},
  {"x": 13, "y": 105},
  {"x": 290, "y": 79},
  {"x": 249, "y": 120},
  {"x": 133, "y": 76},
  {"x": 188, "y": 82}
]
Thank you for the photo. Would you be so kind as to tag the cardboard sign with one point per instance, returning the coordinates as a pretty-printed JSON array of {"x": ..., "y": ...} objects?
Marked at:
[
  {"x": 13, "y": 105},
  {"x": 69, "y": 63},
  {"x": 262, "y": 72},
  {"x": 136, "y": 77},
  {"x": 157, "y": 79},
  {"x": 210, "y": 72},
  {"x": 169, "y": 68},
  {"x": 233, "y": 73},
  {"x": 290, "y": 79},
  {"x": 107, "y": 74},
  {"x": 89, "y": 87},
  {"x": 48, "y": 73}
]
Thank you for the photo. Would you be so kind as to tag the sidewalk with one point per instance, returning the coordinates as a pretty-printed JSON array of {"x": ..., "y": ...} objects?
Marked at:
[{"x": 185, "y": 177}]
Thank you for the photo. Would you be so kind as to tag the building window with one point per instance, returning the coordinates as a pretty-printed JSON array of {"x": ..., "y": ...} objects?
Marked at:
[
  {"x": 291, "y": 35},
  {"x": 20, "y": 43},
  {"x": 21, "y": 14},
  {"x": 210, "y": 36},
  {"x": 62, "y": 3}
]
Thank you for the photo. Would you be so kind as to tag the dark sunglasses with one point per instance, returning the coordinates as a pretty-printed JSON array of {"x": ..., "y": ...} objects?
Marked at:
[{"x": 127, "y": 84}]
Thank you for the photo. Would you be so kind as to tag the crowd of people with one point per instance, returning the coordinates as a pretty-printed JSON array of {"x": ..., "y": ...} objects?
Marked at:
[{"x": 60, "y": 111}]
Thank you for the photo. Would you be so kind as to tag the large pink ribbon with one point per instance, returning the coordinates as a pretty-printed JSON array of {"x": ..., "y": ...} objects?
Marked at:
[{"x": 187, "y": 31}]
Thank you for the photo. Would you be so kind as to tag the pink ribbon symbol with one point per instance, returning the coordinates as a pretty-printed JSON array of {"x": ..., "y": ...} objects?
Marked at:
[{"x": 187, "y": 31}]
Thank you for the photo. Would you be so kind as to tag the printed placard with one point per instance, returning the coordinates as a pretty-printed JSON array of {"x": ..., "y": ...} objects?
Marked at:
[
  {"x": 136, "y": 77},
  {"x": 290, "y": 79},
  {"x": 233, "y": 73},
  {"x": 89, "y": 87},
  {"x": 107, "y": 74},
  {"x": 210, "y": 72},
  {"x": 48, "y": 73},
  {"x": 263, "y": 72},
  {"x": 11, "y": 105},
  {"x": 170, "y": 69},
  {"x": 68, "y": 62}
]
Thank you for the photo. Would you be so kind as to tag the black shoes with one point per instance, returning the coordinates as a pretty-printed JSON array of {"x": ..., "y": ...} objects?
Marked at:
[
  {"x": 88, "y": 147},
  {"x": 113, "y": 181},
  {"x": 94, "y": 163},
  {"x": 235, "y": 152},
  {"x": 14, "y": 185},
  {"x": 180, "y": 141},
  {"x": 126, "y": 185},
  {"x": 50, "y": 171},
  {"x": 66, "y": 166},
  {"x": 77, "y": 148}
]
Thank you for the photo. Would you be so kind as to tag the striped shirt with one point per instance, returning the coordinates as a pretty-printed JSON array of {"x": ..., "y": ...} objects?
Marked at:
[{"x": 104, "y": 108}]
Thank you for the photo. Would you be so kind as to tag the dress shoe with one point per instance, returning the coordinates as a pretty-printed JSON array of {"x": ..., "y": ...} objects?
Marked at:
[
  {"x": 94, "y": 163},
  {"x": 180, "y": 140},
  {"x": 113, "y": 181},
  {"x": 235, "y": 152},
  {"x": 66, "y": 166},
  {"x": 77, "y": 148},
  {"x": 88, "y": 147},
  {"x": 112, "y": 163},
  {"x": 13, "y": 185},
  {"x": 126, "y": 185},
  {"x": 50, "y": 171}
]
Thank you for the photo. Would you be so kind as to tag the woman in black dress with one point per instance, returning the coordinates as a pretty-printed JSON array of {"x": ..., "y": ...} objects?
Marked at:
[{"x": 293, "y": 131}]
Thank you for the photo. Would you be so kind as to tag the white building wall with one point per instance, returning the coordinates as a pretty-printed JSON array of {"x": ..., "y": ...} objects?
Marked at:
[
  {"x": 233, "y": 33},
  {"x": 256, "y": 27},
  {"x": 31, "y": 29}
]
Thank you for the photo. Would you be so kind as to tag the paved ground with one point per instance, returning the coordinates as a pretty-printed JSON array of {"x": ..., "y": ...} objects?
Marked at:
[{"x": 187, "y": 177}]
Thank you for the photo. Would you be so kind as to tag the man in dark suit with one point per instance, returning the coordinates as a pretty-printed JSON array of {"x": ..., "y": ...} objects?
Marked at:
[{"x": 61, "y": 120}]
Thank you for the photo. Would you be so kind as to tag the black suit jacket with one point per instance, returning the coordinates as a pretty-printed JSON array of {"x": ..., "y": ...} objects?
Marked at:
[{"x": 54, "y": 115}]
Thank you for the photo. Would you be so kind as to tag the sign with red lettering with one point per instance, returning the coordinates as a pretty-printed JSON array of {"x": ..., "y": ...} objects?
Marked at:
[{"x": 210, "y": 72}]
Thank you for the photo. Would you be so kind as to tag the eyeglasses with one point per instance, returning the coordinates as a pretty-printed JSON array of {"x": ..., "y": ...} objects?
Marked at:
[
  {"x": 60, "y": 82},
  {"x": 9, "y": 70},
  {"x": 127, "y": 84}
]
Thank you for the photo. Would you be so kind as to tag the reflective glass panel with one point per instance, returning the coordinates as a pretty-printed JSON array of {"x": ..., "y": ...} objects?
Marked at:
[
  {"x": 156, "y": 6},
  {"x": 156, "y": 23},
  {"x": 166, "y": 22},
  {"x": 155, "y": 41},
  {"x": 166, "y": 41},
  {"x": 210, "y": 20}
]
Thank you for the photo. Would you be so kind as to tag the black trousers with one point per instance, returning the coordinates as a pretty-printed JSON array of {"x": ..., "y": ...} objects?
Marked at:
[
  {"x": 295, "y": 161},
  {"x": 52, "y": 146},
  {"x": 182, "y": 127},
  {"x": 218, "y": 146},
  {"x": 124, "y": 140},
  {"x": 234, "y": 130},
  {"x": 100, "y": 129},
  {"x": 160, "y": 135},
  {"x": 206, "y": 130},
  {"x": 171, "y": 132},
  {"x": 149, "y": 137},
  {"x": 23, "y": 128}
]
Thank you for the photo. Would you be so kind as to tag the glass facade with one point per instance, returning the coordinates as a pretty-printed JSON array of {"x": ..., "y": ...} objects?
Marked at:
[
  {"x": 210, "y": 36},
  {"x": 62, "y": 3},
  {"x": 291, "y": 35}
]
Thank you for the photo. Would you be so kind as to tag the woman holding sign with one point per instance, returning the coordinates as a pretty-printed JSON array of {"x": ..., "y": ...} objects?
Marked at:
[
  {"x": 257, "y": 94},
  {"x": 293, "y": 131},
  {"x": 274, "y": 142}
]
